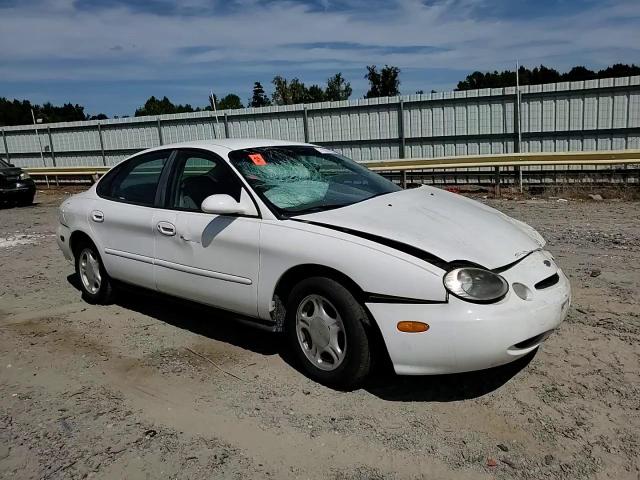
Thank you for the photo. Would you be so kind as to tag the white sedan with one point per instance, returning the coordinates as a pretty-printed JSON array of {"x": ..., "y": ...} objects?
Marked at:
[{"x": 299, "y": 239}]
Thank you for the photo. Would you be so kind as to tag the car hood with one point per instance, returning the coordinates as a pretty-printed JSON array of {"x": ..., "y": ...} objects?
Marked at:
[{"x": 446, "y": 225}]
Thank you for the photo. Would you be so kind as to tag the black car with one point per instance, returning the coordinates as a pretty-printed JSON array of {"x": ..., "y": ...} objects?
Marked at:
[{"x": 15, "y": 185}]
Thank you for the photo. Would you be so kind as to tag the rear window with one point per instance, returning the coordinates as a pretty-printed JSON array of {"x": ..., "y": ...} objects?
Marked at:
[{"x": 136, "y": 180}]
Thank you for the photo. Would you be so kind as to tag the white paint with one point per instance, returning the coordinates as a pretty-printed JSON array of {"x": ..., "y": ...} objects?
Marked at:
[
  {"x": 464, "y": 336},
  {"x": 236, "y": 262},
  {"x": 447, "y": 225}
]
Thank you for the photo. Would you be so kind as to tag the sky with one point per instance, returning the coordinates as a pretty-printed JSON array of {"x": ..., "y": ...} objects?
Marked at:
[{"x": 111, "y": 55}]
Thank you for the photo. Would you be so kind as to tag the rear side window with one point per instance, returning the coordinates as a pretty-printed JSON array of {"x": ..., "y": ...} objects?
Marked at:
[{"x": 135, "y": 181}]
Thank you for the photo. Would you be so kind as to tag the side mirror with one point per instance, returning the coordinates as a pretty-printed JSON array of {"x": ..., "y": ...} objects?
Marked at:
[{"x": 222, "y": 204}]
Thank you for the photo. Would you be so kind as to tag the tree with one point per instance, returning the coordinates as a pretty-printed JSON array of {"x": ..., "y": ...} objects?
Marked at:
[
  {"x": 579, "y": 73},
  {"x": 67, "y": 113},
  {"x": 493, "y": 79},
  {"x": 385, "y": 83},
  {"x": 18, "y": 112},
  {"x": 542, "y": 75},
  {"x": 153, "y": 106},
  {"x": 259, "y": 98},
  {"x": 315, "y": 93},
  {"x": 281, "y": 94},
  {"x": 289, "y": 92},
  {"x": 619, "y": 70},
  {"x": 297, "y": 91},
  {"x": 337, "y": 88},
  {"x": 294, "y": 91},
  {"x": 229, "y": 102},
  {"x": 14, "y": 112}
]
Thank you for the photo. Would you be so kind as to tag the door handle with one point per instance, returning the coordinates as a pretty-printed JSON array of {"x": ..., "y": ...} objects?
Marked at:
[
  {"x": 166, "y": 228},
  {"x": 97, "y": 216}
]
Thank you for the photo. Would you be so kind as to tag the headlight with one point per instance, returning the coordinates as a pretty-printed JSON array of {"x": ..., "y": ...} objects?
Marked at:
[
  {"x": 476, "y": 285},
  {"x": 24, "y": 176}
]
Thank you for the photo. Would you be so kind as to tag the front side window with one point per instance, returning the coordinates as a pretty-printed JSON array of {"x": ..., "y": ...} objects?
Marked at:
[
  {"x": 3, "y": 164},
  {"x": 135, "y": 181},
  {"x": 300, "y": 179},
  {"x": 198, "y": 176}
]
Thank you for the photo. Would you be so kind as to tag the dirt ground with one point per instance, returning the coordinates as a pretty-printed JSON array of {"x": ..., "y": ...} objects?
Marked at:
[{"x": 118, "y": 392}]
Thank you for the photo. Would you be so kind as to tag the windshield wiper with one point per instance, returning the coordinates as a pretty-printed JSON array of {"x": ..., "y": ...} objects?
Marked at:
[{"x": 319, "y": 208}]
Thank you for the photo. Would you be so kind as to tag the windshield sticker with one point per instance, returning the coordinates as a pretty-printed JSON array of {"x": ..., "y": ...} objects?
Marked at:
[
  {"x": 257, "y": 159},
  {"x": 325, "y": 151}
]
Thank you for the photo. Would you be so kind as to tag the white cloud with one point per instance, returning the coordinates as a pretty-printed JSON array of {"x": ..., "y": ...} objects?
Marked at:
[{"x": 53, "y": 40}]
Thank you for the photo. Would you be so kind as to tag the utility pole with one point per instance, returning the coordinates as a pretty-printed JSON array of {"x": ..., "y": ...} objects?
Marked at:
[
  {"x": 212, "y": 101},
  {"x": 33, "y": 117},
  {"x": 518, "y": 107}
]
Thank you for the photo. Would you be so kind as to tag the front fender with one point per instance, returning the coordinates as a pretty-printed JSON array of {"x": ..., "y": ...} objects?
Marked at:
[{"x": 375, "y": 268}]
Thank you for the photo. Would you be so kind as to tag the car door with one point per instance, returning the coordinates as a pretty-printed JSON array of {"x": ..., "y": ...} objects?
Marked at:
[
  {"x": 122, "y": 218},
  {"x": 212, "y": 259}
]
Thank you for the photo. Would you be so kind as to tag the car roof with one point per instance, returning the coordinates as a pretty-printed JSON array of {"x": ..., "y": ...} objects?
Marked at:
[{"x": 230, "y": 144}]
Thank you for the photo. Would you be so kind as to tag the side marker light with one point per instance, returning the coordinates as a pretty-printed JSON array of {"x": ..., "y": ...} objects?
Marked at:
[{"x": 412, "y": 327}]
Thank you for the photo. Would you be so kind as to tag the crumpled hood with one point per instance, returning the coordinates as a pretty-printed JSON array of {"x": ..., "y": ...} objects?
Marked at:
[{"x": 449, "y": 226}]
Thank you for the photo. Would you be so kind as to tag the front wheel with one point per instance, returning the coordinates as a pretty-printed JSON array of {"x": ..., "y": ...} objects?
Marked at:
[
  {"x": 94, "y": 281},
  {"x": 325, "y": 328}
]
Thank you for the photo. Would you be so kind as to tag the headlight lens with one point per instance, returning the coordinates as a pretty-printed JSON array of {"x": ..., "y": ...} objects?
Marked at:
[
  {"x": 24, "y": 176},
  {"x": 476, "y": 284}
]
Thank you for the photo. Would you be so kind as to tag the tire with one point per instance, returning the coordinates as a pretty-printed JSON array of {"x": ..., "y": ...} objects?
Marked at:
[
  {"x": 96, "y": 289},
  {"x": 345, "y": 360}
]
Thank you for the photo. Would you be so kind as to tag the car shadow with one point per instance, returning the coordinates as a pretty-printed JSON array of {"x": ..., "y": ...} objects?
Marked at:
[
  {"x": 444, "y": 388},
  {"x": 199, "y": 319},
  {"x": 383, "y": 382},
  {"x": 7, "y": 204}
]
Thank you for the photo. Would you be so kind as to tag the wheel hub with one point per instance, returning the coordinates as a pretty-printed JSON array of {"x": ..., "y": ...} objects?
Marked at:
[
  {"x": 90, "y": 271},
  {"x": 321, "y": 332}
]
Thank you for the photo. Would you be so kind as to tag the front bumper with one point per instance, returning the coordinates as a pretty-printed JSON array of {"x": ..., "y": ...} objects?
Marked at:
[
  {"x": 20, "y": 189},
  {"x": 464, "y": 336}
]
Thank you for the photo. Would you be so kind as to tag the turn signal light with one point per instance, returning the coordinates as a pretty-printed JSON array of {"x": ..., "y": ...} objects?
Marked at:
[{"x": 412, "y": 327}]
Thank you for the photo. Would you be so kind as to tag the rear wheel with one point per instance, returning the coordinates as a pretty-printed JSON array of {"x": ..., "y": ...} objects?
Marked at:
[
  {"x": 325, "y": 329},
  {"x": 95, "y": 283}
]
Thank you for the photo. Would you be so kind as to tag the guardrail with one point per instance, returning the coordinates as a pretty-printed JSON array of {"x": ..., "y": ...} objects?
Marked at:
[
  {"x": 67, "y": 174},
  {"x": 504, "y": 165},
  {"x": 511, "y": 160},
  {"x": 517, "y": 169}
]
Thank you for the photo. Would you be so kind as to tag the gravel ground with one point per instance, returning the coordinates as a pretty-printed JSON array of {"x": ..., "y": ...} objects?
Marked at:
[{"x": 118, "y": 392}]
